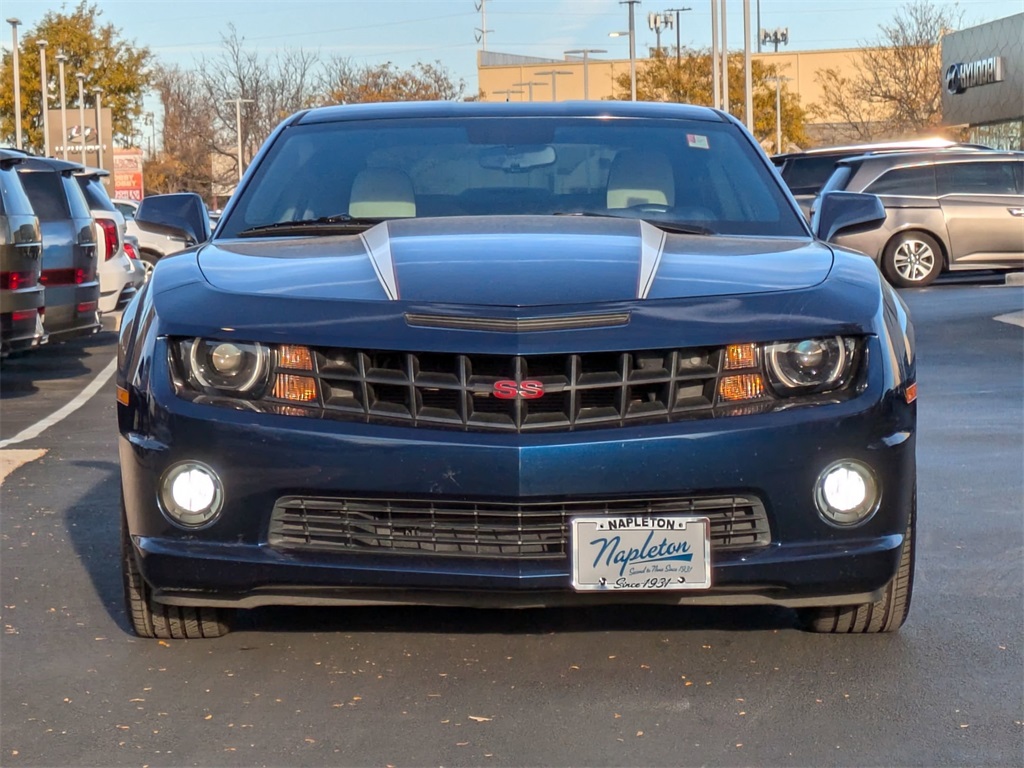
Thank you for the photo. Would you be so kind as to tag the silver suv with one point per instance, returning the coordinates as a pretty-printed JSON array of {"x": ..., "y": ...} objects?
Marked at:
[{"x": 945, "y": 210}]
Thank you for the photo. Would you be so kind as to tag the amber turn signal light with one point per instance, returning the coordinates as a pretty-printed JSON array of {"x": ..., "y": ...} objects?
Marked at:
[
  {"x": 295, "y": 357},
  {"x": 746, "y": 386},
  {"x": 739, "y": 356},
  {"x": 299, "y": 389},
  {"x": 910, "y": 393}
]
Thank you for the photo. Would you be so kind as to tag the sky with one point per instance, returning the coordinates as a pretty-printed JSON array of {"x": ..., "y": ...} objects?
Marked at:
[{"x": 182, "y": 32}]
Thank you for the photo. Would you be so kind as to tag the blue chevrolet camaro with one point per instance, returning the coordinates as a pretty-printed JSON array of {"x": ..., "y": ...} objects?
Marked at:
[{"x": 515, "y": 355}]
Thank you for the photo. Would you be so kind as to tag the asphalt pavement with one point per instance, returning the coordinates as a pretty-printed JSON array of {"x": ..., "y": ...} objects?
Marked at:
[{"x": 646, "y": 686}]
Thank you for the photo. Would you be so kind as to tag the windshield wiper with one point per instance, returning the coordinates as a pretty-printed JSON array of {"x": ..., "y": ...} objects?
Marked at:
[
  {"x": 676, "y": 227},
  {"x": 680, "y": 228},
  {"x": 340, "y": 222}
]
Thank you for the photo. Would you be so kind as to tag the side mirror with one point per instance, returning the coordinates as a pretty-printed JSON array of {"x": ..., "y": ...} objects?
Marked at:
[
  {"x": 181, "y": 216},
  {"x": 836, "y": 212}
]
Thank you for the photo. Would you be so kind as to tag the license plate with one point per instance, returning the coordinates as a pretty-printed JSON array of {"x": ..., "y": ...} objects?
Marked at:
[{"x": 641, "y": 554}]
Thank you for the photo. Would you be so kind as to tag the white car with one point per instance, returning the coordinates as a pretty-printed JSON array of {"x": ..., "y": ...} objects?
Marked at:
[
  {"x": 152, "y": 246},
  {"x": 120, "y": 276}
]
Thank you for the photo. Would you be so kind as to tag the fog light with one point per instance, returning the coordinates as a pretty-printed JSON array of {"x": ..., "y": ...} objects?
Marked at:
[
  {"x": 846, "y": 493},
  {"x": 191, "y": 494}
]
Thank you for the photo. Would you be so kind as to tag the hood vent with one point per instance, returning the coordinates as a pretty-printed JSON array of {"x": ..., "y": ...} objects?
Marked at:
[{"x": 506, "y": 325}]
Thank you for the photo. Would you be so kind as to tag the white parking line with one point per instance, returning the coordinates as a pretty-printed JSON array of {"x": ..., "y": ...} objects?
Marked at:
[
  {"x": 1013, "y": 318},
  {"x": 57, "y": 416}
]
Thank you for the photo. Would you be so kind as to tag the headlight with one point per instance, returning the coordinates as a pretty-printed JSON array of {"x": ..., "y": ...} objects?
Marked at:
[
  {"x": 811, "y": 365},
  {"x": 228, "y": 367}
]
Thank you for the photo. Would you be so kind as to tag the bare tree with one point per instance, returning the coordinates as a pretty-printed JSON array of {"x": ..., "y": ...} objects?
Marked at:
[
  {"x": 271, "y": 87},
  {"x": 345, "y": 82},
  {"x": 898, "y": 89},
  {"x": 184, "y": 163}
]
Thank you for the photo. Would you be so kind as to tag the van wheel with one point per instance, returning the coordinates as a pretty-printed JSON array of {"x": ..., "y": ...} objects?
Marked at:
[
  {"x": 152, "y": 619},
  {"x": 149, "y": 260},
  {"x": 886, "y": 615},
  {"x": 912, "y": 259}
]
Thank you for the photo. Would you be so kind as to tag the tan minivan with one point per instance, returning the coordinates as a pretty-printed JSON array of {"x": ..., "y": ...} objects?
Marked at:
[{"x": 950, "y": 209}]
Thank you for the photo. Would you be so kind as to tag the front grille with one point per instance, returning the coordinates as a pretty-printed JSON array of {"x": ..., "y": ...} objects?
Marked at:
[
  {"x": 490, "y": 529},
  {"x": 458, "y": 391}
]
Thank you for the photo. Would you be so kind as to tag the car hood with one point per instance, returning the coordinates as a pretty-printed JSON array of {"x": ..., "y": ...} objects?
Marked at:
[{"x": 514, "y": 261}]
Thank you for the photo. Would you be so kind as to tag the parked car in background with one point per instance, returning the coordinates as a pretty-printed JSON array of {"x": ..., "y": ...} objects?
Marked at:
[
  {"x": 805, "y": 173},
  {"x": 949, "y": 209},
  {"x": 69, "y": 270},
  {"x": 22, "y": 296},
  {"x": 119, "y": 277},
  {"x": 515, "y": 354},
  {"x": 153, "y": 245}
]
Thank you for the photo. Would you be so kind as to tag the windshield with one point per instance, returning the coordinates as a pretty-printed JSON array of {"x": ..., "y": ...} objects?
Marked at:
[{"x": 697, "y": 176}]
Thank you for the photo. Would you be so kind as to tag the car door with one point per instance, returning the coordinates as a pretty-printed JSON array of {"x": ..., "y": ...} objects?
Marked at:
[{"x": 983, "y": 205}]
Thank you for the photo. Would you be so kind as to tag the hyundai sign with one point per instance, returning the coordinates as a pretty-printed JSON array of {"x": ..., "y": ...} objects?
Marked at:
[{"x": 964, "y": 75}]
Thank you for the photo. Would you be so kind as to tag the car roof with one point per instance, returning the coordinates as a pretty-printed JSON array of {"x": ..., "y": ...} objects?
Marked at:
[
  {"x": 936, "y": 156},
  {"x": 92, "y": 172},
  {"x": 882, "y": 146},
  {"x": 36, "y": 163},
  {"x": 428, "y": 109}
]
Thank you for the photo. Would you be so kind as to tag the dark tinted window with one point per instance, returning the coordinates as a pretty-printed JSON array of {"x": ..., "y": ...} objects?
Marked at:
[
  {"x": 839, "y": 178},
  {"x": 13, "y": 200},
  {"x": 919, "y": 181},
  {"x": 79, "y": 206},
  {"x": 706, "y": 173},
  {"x": 95, "y": 193},
  {"x": 996, "y": 178},
  {"x": 45, "y": 191},
  {"x": 806, "y": 175}
]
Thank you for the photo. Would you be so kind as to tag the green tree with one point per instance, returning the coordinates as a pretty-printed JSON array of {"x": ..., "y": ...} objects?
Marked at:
[
  {"x": 661, "y": 78},
  {"x": 109, "y": 62}
]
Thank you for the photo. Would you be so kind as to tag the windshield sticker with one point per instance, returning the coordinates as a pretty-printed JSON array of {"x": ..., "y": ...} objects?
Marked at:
[{"x": 697, "y": 141}]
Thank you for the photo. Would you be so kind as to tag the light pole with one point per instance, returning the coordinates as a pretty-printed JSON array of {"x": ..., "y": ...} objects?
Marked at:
[
  {"x": 632, "y": 64},
  {"x": 555, "y": 73},
  {"x": 61, "y": 58},
  {"x": 507, "y": 93},
  {"x": 778, "y": 111},
  {"x": 632, "y": 47},
  {"x": 147, "y": 119},
  {"x": 716, "y": 91},
  {"x": 586, "y": 77},
  {"x": 748, "y": 86},
  {"x": 238, "y": 129},
  {"x": 14, "y": 22},
  {"x": 81, "y": 109},
  {"x": 97, "y": 92},
  {"x": 45, "y": 93},
  {"x": 677, "y": 11},
  {"x": 529, "y": 86},
  {"x": 725, "y": 58}
]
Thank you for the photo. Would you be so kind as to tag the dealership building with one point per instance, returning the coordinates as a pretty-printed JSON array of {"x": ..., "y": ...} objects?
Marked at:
[{"x": 983, "y": 79}]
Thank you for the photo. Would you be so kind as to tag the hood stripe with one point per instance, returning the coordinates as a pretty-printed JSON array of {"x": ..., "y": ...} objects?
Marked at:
[
  {"x": 652, "y": 246},
  {"x": 377, "y": 241}
]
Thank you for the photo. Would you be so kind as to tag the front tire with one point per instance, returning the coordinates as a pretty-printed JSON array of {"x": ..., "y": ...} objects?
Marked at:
[
  {"x": 152, "y": 619},
  {"x": 912, "y": 259},
  {"x": 886, "y": 615}
]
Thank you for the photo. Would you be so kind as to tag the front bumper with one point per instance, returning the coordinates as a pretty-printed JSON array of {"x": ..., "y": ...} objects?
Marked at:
[{"x": 261, "y": 458}]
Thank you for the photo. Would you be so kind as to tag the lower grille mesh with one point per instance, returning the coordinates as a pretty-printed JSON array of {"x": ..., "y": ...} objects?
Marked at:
[{"x": 487, "y": 529}]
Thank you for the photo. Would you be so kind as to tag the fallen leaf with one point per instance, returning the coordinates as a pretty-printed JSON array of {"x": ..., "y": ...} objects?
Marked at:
[
  {"x": 639, "y": 733},
  {"x": 478, "y": 719},
  {"x": 208, "y": 717},
  {"x": 164, "y": 643},
  {"x": 618, "y": 716},
  {"x": 461, "y": 743}
]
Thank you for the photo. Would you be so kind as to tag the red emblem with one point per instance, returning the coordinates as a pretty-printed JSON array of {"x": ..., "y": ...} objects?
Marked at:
[{"x": 507, "y": 389}]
